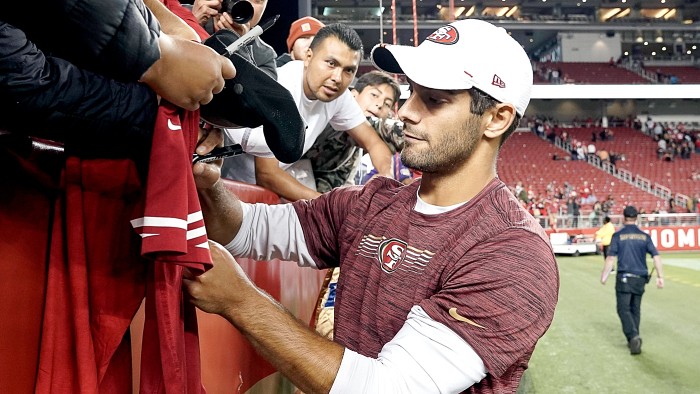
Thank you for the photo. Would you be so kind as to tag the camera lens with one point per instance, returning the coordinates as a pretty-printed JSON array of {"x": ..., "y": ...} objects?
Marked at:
[{"x": 241, "y": 11}]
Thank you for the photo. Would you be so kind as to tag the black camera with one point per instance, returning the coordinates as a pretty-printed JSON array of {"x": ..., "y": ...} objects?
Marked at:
[{"x": 241, "y": 11}]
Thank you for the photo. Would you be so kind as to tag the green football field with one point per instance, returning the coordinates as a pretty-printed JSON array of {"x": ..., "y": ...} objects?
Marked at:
[{"x": 584, "y": 350}]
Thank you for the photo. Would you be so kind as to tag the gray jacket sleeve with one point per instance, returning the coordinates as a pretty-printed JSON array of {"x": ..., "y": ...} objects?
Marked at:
[{"x": 264, "y": 57}]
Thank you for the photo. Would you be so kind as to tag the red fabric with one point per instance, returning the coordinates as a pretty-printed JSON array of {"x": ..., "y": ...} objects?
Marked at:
[
  {"x": 187, "y": 16},
  {"x": 173, "y": 233},
  {"x": 94, "y": 281},
  {"x": 29, "y": 183}
]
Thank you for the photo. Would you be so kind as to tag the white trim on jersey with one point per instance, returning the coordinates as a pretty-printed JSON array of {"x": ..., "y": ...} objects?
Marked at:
[
  {"x": 157, "y": 221},
  {"x": 424, "y": 356},
  {"x": 197, "y": 232},
  {"x": 195, "y": 216}
]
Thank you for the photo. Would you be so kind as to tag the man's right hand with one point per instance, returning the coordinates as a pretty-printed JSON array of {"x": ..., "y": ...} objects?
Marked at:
[
  {"x": 188, "y": 73},
  {"x": 207, "y": 174}
]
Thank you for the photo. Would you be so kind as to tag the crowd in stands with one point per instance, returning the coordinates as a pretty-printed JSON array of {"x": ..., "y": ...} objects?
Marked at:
[
  {"x": 586, "y": 73},
  {"x": 674, "y": 140},
  {"x": 568, "y": 202},
  {"x": 665, "y": 78},
  {"x": 605, "y": 122},
  {"x": 553, "y": 75},
  {"x": 568, "y": 205},
  {"x": 547, "y": 128},
  {"x": 624, "y": 70}
]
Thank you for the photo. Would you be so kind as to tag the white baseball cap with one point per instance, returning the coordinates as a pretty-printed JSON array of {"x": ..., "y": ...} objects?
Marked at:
[{"x": 464, "y": 54}]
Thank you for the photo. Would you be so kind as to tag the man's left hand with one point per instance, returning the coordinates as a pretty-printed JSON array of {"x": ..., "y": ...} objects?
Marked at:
[
  {"x": 660, "y": 283},
  {"x": 224, "y": 21},
  {"x": 223, "y": 287}
]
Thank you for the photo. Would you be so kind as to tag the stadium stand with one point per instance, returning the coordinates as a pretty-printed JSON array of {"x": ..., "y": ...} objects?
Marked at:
[
  {"x": 529, "y": 159},
  {"x": 594, "y": 73},
  {"x": 639, "y": 153},
  {"x": 684, "y": 74}
]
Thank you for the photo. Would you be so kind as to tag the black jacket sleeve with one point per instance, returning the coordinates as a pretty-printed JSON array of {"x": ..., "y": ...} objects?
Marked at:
[
  {"x": 117, "y": 38},
  {"x": 52, "y": 98}
]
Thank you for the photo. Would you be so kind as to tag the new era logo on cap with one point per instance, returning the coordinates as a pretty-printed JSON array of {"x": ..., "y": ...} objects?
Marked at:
[{"x": 497, "y": 81}]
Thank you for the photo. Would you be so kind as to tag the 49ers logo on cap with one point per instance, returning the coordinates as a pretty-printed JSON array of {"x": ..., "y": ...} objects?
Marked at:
[
  {"x": 391, "y": 254},
  {"x": 444, "y": 35}
]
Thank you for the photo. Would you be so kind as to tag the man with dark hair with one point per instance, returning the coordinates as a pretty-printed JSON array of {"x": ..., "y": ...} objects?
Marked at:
[
  {"x": 319, "y": 86},
  {"x": 631, "y": 245},
  {"x": 335, "y": 155},
  {"x": 447, "y": 282}
]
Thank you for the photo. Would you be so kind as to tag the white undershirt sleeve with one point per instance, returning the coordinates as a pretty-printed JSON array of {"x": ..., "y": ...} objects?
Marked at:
[
  {"x": 271, "y": 232},
  {"x": 251, "y": 140},
  {"x": 425, "y": 356}
]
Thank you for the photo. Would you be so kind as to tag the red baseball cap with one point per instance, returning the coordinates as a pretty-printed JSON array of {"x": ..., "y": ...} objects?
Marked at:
[{"x": 306, "y": 26}]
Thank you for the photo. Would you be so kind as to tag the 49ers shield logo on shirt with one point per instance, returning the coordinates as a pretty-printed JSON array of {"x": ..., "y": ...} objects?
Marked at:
[
  {"x": 444, "y": 35},
  {"x": 391, "y": 254}
]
